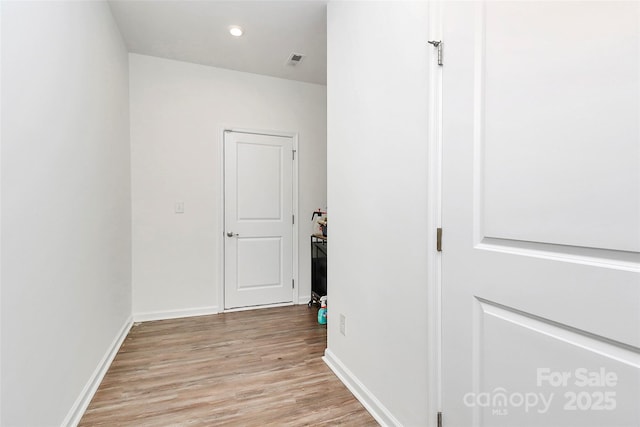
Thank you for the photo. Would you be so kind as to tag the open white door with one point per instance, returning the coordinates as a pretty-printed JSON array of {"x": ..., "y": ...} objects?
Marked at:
[
  {"x": 541, "y": 214},
  {"x": 258, "y": 191}
]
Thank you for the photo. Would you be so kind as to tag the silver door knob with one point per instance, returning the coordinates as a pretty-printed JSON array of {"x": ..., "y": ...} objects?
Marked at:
[{"x": 231, "y": 234}]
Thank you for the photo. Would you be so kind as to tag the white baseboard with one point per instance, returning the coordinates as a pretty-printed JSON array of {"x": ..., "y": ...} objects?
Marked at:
[
  {"x": 257, "y": 307},
  {"x": 304, "y": 299},
  {"x": 174, "y": 314},
  {"x": 82, "y": 402},
  {"x": 368, "y": 400}
]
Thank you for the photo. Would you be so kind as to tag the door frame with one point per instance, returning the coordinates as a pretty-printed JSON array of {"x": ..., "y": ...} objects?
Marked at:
[
  {"x": 221, "y": 213},
  {"x": 434, "y": 218}
]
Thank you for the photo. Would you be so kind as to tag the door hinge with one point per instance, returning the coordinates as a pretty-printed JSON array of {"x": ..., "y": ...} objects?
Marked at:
[
  {"x": 293, "y": 283},
  {"x": 439, "y": 239},
  {"x": 293, "y": 219},
  {"x": 439, "y": 419},
  {"x": 438, "y": 45},
  {"x": 294, "y": 155}
]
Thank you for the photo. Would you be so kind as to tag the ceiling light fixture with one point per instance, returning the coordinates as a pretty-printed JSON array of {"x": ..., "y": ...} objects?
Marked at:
[{"x": 235, "y": 30}]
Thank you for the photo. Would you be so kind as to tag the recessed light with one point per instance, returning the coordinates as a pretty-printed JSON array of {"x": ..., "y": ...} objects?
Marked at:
[{"x": 235, "y": 31}]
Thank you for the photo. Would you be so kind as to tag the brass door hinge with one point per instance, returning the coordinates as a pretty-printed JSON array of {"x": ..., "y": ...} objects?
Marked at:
[{"x": 439, "y": 240}]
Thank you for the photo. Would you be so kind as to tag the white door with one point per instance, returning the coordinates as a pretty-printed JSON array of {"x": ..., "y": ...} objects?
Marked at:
[
  {"x": 258, "y": 219},
  {"x": 541, "y": 214}
]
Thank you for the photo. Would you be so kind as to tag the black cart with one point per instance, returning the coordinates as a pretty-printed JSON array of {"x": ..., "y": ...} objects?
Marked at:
[{"x": 318, "y": 268}]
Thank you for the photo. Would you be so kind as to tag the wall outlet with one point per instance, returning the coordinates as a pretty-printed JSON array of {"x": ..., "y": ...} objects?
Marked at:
[{"x": 343, "y": 324}]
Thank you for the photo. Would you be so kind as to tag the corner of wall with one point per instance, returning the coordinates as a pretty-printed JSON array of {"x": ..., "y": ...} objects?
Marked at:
[
  {"x": 82, "y": 402},
  {"x": 377, "y": 410}
]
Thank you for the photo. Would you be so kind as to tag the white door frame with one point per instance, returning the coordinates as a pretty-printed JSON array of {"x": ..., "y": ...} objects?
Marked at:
[
  {"x": 221, "y": 210},
  {"x": 434, "y": 218}
]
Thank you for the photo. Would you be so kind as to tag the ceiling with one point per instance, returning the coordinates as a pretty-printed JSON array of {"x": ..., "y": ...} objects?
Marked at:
[{"x": 198, "y": 32}]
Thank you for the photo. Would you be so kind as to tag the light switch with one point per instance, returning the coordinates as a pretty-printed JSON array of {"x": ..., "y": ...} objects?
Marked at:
[{"x": 179, "y": 207}]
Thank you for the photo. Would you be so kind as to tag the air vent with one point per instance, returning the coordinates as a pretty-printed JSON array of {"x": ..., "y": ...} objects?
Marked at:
[{"x": 295, "y": 58}]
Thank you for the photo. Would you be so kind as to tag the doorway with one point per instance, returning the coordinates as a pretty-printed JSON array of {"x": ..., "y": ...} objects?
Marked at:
[{"x": 259, "y": 219}]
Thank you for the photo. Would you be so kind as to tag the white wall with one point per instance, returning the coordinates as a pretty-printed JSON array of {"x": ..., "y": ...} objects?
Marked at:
[
  {"x": 377, "y": 156},
  {"x": 177, "y": 113},
  {"x": 66, "y": 213}
]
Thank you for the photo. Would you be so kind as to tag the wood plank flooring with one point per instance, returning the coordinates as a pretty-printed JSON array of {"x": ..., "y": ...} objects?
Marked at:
[{"x": 250, "y": 368}]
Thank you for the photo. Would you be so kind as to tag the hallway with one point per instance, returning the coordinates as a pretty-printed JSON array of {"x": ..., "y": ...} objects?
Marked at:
[{"x": 259, "y": 367}]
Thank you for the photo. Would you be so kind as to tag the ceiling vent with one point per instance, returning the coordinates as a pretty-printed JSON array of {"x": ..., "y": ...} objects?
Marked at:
[{"x": 295, "y": 58}]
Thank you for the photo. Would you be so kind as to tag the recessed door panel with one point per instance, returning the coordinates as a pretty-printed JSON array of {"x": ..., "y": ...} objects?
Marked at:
[
  {"x": 259, "y": 263},
  {"x": 558, "y": 122},
  {"x": 527, "y": 371},
  {"x": 260, "y": 181}
]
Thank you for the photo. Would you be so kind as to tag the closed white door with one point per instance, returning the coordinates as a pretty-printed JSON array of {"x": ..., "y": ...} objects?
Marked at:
[
  {"x": 541, "y": 214},
  {"x": 258, "y": 219}
]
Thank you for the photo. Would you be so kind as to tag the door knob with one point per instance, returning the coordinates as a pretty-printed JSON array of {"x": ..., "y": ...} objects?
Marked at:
[{"x": 231, "y": 234}]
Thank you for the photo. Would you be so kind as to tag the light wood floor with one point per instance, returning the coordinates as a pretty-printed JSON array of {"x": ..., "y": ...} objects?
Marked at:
[{"x": 251, "y": 368}]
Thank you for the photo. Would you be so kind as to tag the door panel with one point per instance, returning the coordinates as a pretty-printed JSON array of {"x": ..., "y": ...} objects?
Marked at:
[
  {"x": 541, "y": 214},
  {"x": 259, "y": 173},
  {"x": 258, "y": 219},
  {"x": 259, "y": 262},
  {"x": 558, "y": 96},
  {"x": 521, "y": 359}
]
